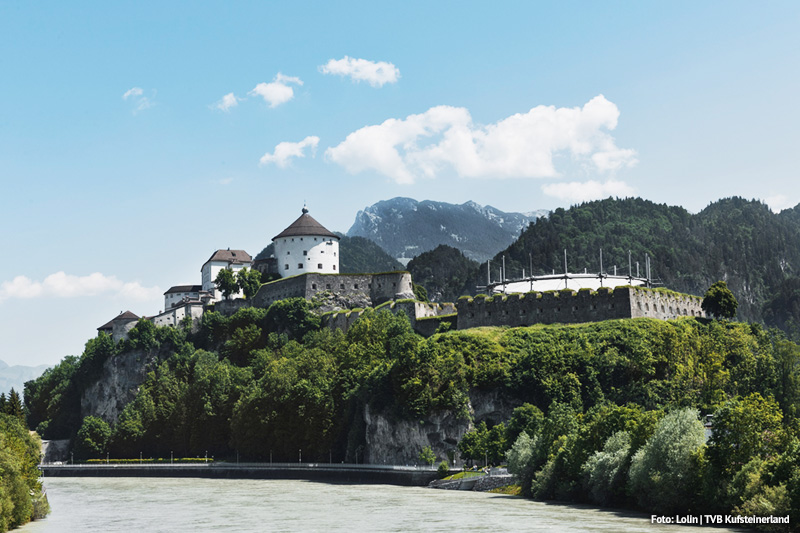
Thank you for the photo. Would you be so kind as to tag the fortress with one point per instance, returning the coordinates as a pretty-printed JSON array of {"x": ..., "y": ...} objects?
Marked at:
[{"x": 306, "y": 256}]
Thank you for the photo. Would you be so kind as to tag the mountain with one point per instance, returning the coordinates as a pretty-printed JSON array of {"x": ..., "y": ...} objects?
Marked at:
[
  {"x": 15, "y": 376},
  {"x": 444, "y": 272},
  {"x": 405, "y": 227},
  {"x": 736, "y": 240},
  {"x": 359, "y": 255}
]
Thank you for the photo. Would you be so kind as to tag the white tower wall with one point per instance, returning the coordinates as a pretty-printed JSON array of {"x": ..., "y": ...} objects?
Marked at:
[{"x": 300, "y": 254}]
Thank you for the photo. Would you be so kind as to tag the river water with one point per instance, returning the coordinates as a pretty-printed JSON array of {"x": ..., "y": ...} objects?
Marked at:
[{"x": 197, "y": 505}]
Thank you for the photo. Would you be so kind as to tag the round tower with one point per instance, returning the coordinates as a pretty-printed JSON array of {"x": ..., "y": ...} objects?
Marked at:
[{"x": 306, "y": 246}]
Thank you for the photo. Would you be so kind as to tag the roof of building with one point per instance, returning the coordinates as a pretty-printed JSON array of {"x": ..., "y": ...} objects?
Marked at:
[
  {"x": 230, "y": 256},
  {"x": 184, "y": 288},
  {"x": 126, "y": 317},
  {"x": 305, "y": 225}
]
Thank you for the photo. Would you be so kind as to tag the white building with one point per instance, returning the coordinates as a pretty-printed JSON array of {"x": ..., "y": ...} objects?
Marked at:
[
  {"x": 306, "y": 246},
  {"x": 233, "y": 259},
  {"x": 180, "y": 293}
]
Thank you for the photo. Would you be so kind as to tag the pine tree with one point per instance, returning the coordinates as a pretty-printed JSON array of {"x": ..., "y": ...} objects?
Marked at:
[{"x": 14, "y": 405}]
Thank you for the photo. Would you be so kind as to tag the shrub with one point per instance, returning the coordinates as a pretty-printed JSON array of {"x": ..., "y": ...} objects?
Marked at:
[{"x": 444, "y": 470}]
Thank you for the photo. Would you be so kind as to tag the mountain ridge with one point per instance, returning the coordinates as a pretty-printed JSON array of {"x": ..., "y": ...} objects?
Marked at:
[{"x": 405, "y": 227}]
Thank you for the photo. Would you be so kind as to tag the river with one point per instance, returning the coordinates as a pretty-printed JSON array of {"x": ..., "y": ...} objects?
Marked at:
[{"x": 196, "y": 505}]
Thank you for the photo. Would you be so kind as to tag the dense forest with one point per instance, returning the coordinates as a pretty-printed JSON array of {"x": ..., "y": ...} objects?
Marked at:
[
  {"x": 741, "y": 241},
  {"x": 444, "y": 272},
  {"x": 607, "y": 412}
]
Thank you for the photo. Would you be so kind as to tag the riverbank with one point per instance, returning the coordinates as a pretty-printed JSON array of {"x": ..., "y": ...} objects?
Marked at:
[{"x": 331, "y": 472}]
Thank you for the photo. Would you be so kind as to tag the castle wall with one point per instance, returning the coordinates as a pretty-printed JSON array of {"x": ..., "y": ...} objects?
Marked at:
[
  {"x": 662, "y": 305},
  {"x": 569, "y": 307},
  {"x": 120, "y": 329},
  {"x": 172, "y": 317},
  {"x": 424, "y": 317},
  {"x": 307, "y": 254},
  {"x": 373, "y": 289}
]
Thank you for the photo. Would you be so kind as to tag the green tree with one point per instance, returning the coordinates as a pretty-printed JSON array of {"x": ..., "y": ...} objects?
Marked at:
[
  {"x": 226, "y": 282},
  {"x": 249, "y": 281},
  {"x": 427, "y": 456},
  {"x": 719, "y": 301},
  {"x": 91, "y": 442},
  {"x": 606, "y": 471},
  {"x": 744, "y": 429},
  {"x": 663, "y": 473},
  {"x": 14, "y": 406},
  {"x": 420, "y": 293}
]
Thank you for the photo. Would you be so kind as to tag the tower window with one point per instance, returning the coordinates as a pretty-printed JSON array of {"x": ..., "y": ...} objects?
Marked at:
[
  {"x": 286, "y": 267},
  {"x": 319, "y": 266},
  {"x": 288, "y": 252},
  {"x": 305, "y": 252},
  {"x": 334, "y": 267},
  {"x": 299, "y": 265}
]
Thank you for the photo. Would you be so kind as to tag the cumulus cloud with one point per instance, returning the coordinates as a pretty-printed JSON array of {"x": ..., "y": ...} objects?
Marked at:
[
  {"x": 520, "y": 146},
  {"x": 285, "y": 151},
  {"x": 62, "y": 285},
  {"x": 227, "y": 102},
  {"x": 140, "y": 102},
  {"x": 589, "y": 190},
  {"x": 278, "y": 91},
  {"x": 376, "y": 73}
]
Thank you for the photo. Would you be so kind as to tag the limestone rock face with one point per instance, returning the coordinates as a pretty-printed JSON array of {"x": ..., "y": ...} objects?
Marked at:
[
  {"x": 117, "y": 386},
  {"x": 400, "y": 441}
]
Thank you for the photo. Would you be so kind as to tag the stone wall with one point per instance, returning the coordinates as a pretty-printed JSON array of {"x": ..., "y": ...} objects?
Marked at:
[
  {"x": 568, "y": 307},
  {"x": 372, "y": 289},
  {"x": 424, "y": 317},
  {"x": 172, "y": 317}
]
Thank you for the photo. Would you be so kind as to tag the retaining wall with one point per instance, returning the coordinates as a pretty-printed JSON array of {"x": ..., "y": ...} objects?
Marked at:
[{"x": 568, "y": 306}]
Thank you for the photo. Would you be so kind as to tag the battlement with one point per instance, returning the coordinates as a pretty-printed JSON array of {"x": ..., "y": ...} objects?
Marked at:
[{"x": 569, "y": 307}]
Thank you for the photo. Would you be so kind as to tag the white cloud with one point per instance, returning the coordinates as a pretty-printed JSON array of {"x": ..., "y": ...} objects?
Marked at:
[
  {"x": 62, "y": 285},
  {"x": 227, "y": 102},
  {"x": 286, "y": 150},
  {"x": 521, "y": 146},
  {"x": 132, "y": 92},
  {"x": 278, "y": 91},
  {"x": 226, "y": 181},
  {"x": 778, "y": 202},
  {"x": 590, "y": 190},
  {"x": 375, "y": 73},
  {"x": 136, "y": 95}
]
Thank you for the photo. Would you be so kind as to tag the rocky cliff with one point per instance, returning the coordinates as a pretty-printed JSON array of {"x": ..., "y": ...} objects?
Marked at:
[
  {"x": 400, "y": 441},
  {"x": 117, "y": 385}
]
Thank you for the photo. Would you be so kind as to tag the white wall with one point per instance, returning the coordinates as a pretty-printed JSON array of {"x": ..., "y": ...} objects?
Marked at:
[
  {"x": 315, "y": 254},
  {"x": 174, "y": 298},
  {"x": 210, "y": 271}
]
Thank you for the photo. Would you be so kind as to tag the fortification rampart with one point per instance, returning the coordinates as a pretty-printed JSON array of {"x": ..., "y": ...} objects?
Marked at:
[
  {"x": 567, "y": 307},
  {"x": 424, "y": 317},
  {"x": 368, "y": 289}
]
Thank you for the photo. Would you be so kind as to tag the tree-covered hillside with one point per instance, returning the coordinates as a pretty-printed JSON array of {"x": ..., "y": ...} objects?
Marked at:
[
  {"x": 591, "y": 397},
  {"x": 736, "y": 240},
  {"x": 444, "y": 272}
]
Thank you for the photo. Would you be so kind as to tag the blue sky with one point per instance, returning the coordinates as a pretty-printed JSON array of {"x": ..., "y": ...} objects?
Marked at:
[{"x": 137, "y": 138}]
